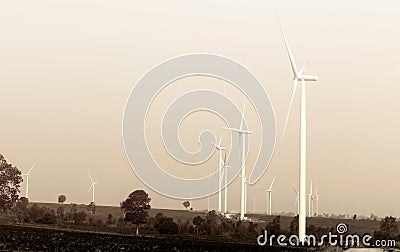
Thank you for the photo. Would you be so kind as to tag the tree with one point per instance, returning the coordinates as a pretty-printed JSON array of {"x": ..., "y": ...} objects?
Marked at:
[
  {"x": 79, "y": 217},
  {"x": 198, "y": 222},
  {"x": 110, "y": 220},
  {"x": 91, "y": 208},
  {"x": 274, "y": 227},
  {"x": 60, "y": 214},
  {"x": 388, "y": 228},
  {"x": 10, "y": 178},
  {"x": 62, "y": 198},
  {"x": 21, "y": 210},
  {"x": 294, "y": 226},
  {"x": 136, "y": 208},
  {"x": 186, "y": 204}
]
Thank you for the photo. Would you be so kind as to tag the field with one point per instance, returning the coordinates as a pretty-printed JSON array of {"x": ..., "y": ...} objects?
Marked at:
[
  {"x": 34, "y": 237},
  {"x": 29, "y": 238}
]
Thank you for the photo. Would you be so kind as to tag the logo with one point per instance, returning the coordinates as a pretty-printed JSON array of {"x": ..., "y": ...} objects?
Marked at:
[{"x": 154, "y": 82}]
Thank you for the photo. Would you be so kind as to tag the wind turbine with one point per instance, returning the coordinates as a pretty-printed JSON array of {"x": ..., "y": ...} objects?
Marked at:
[
  {"x": 27, "y": 181},
  {"x": 270, "y": 197},
  {"x": 225, "y": 173},
  {"x": 310, "y": 201},
  {"x": 242, "y": 133},
  {"x": 92, "y": 186},
  {"x": 219, "y": 148},
  {"x": 317, "y": 200},
  {"x": 297, "y": 199},
  {"x": 299, "y": 76}
]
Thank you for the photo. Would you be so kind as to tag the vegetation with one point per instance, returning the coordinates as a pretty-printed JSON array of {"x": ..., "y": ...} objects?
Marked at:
[
  {"x": 136, "y": 208},
  {"x": 10, "y": 178},
  {"x": 186, "y": 204},
  {"x": 62, "y": 198}
]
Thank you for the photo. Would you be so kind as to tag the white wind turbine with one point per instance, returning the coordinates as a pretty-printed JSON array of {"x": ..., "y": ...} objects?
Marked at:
[
  {"x": 242, "y": 133},
  {"x": 299, "y": 76},
  {"x": 317, "y": 200},
  {"x": 92, "y": 186},
  {"x": 219, "y": 148},
  {"x": 310, "y": 202},
  {"x": 246, "y": 182},
  {"x": 297, "y": 199},
  {"x": 27, "y": 181},
  {"x": 270, "y": 197},
  {"x": 225, "y": 174}
]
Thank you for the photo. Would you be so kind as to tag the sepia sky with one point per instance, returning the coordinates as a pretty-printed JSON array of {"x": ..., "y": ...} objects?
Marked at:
[{"x": 68, "y": 67}]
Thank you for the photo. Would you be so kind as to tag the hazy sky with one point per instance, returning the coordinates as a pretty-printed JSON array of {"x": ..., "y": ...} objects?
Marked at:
[{"x": 67, "y": 68}]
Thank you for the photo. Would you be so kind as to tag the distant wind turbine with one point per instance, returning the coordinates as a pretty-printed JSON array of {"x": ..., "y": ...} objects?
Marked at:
[
  {"x": 92, "y": 186},
  {"x": 299, "y": 76},
  {"x": 27, "y": 181},
  {"x": 219, "y": 148},
  {"x": 297, "y": 199},
  {"x": 270, "y": 197},
  {"x": 242, "y": 133},
  {"x": 225, "y": 174},
  {"x": 317, "y": 200},
  {"x": 310, "y": 202}
]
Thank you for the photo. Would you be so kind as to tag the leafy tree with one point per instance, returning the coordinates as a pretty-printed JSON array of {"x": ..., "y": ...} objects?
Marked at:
[
  {"x": 388, "y": 228},
  {"x": 36, "y": 213},
  {"x": 198, "y": 222},
  {"x": 136, "y": 208},
  {"x": 10, "y": 178},
  {"x": 21, "y": 210},
  {"x": 121, "y": 222},
  {"x": 60, "y": 213},
  {"x": 294, "y": 226},
  {"x": 91, "y": 208},
  {"x": 274, "y": 227},
  {"x": 49, "y": 217},
  {"x": 110, "y": 220},
  {"x": 168, "y": 227},
  {"x": 79, "y": 217},
  {"x": 62, "y": 198},
  {"x": 186, "y": 204}
]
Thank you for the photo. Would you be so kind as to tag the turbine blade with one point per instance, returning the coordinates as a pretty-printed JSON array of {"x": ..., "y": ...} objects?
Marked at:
[
  {"x": 31, "y": 168},
  {"x": 219, "y": 143},
  {"x": 295, "y": 84},
  {"x": 294, "y": 189},
  {"x": 225, "y": 159},
  {"x": 272, "y": 183},
  {"x": 91, "y": 179},
  {"x": 241, "y": 122},
  {"x": 291, "y": 58},
  {"x": 90, "y": 187},
  {"x": 311, "y": 188},
  {"x": 304, "y": 67}
]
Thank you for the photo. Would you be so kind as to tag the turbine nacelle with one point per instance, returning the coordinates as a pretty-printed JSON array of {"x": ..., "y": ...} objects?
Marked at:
[{"x": 304, "y": 77}]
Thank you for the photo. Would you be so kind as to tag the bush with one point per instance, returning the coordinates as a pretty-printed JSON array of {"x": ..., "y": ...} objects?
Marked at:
[{"x": 168, "y": 227}]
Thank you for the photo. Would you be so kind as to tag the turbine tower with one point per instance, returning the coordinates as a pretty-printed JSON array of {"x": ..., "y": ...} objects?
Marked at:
[
  {"x": 27, "y": 181},
  {"x": 92, "y": 186},
  {"x": 225, "y": 174},
  {"x": 219, "y": 148},
  {"x": 310, "y": 202},
  {"x": 242, "y": 133},
  {"x": 299, "y": 76},
  {"x": 270, "y": 197},
  {"x": 317, "y": 200}
]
